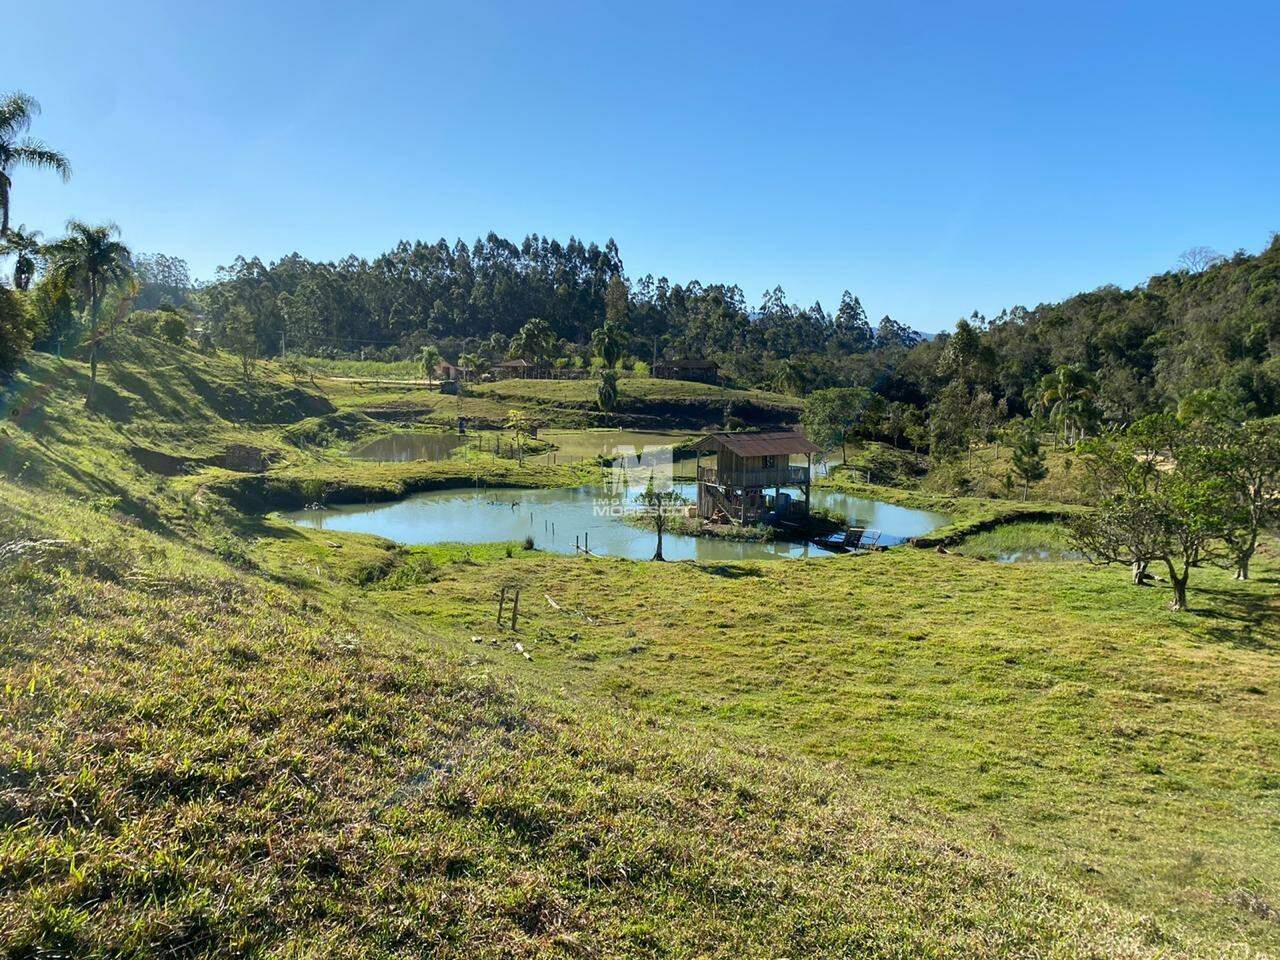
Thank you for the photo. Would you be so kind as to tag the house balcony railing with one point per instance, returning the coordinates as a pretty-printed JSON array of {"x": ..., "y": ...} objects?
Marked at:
[{"x": 781, "y": 476}]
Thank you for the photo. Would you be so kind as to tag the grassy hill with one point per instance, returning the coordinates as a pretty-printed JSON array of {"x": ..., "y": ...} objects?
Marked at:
[
  {"x": 644, "y": 403},
  {"x": 223, "y": 734},
  {"x": 1048, "y": 712}
]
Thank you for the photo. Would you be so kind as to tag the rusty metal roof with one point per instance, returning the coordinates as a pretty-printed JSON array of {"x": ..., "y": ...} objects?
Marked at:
[{"x": 777, "y": 443}]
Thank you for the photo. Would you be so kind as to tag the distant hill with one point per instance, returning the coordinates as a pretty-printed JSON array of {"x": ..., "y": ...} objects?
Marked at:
[{"x": 1152, "y": 345}]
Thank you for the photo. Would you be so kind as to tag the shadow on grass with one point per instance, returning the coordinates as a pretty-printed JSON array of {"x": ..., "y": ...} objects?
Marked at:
[
  {"x": 730, "y": 571},
  {"x": 1241, "y": 617}
]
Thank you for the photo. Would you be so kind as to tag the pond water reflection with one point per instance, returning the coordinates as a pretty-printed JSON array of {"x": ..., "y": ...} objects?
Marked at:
[{"x": 556, "y": 519}]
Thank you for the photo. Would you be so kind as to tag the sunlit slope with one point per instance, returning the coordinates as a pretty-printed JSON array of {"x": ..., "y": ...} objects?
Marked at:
[{"x": 196, "y": 762}]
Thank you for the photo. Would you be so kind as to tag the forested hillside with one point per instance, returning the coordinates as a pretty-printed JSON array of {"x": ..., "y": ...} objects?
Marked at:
[
  {"x": 1149, "y": 347},
  {"x": 479, "y": 296}
]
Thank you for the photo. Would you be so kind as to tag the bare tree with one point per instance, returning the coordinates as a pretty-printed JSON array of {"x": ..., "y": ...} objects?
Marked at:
[{"x": 1199, "y": 259}]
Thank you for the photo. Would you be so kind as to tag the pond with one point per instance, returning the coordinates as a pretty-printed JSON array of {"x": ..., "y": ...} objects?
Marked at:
[
  {"x": 403, "y": 447},
  {"x": 556, "y": 518},
  {"x": 589, "y": 444}
]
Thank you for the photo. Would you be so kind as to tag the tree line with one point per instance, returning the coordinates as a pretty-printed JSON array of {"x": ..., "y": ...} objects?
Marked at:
[
  {"x": 1100, "y": 359},
  {"x": 1213, "y": 322}
]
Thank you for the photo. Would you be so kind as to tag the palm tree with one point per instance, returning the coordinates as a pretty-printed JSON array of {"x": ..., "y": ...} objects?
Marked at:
[
  {"x": 25, "y": 245},
  {"x": 534, "y": 342},
  {"x": 607, "y": 391},
  {"x": 90, "y": 260},
  {"x": 1067, "y": 395},
  {"x": 607, "y": 342},
  {"x": 16, "y": 111}
]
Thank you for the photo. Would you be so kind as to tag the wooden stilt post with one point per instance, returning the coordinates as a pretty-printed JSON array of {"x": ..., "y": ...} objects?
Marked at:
[{"x": 502, "y": 602}]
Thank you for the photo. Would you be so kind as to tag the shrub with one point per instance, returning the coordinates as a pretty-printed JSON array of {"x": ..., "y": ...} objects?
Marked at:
[
  {"x": 143, "y": 322},
  {"x": 313, "y": 490},
  {"x": 173, "y": 327}
]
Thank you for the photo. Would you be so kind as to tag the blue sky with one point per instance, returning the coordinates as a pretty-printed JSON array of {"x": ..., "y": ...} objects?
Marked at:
[{"x": 933, "y": 158}]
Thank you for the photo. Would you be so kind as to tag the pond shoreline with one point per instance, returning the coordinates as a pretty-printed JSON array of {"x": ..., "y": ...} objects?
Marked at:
[{"x": 574, "y": 519}]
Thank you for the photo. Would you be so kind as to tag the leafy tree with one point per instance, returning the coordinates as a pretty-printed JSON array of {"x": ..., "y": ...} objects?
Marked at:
[
  {"x": 836, "y": 415},
  {"x": 294, "y": 367},
  {"x": 1247, "y": 458},
  {"x": 16, "y": 328},
  {"x": 616, "y": 304},
  {"x": 891, "y": 333},
  {"x": 1028, "y": 459},
  {"x": 242, "y": 334},
  {"x": 16, "y": 113},
  {"x": 659, "y": 506},
  {"x": 90, "y": 260},
  {"x": 985, "y": 416},
  {"x": 519, "y": 423},
  {"x": 951, "y": 422},
  {"x": 897, "y": 416},
  {"x": 52, "y": 310},
  {"x": 965, "y": 357},
  {"x": 1161, "y": 502},
  {"x": 24, "y": 245},
  {"x": 173, "y": 326},
  {"x": 791, "y": 378},
  {"x": 164, "y": 279},
  {"x": 852, "y": 330},
  {"x": 429, "y": 360}
]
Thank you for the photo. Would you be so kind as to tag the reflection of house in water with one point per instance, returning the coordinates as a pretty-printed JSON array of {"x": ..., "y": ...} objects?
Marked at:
[{"x": 751, "y": 472}]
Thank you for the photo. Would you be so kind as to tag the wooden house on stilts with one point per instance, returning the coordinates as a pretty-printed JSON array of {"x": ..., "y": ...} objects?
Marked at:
[{"x": 749, "y": 477}]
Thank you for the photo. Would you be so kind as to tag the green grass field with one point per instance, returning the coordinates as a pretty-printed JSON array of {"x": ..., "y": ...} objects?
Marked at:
[
  {"x": 645, "y": 404},
  {"x": 1023, "y": 541},
  {"x": 1049, "y": 713},
  {"x": 371, "y": 369},
  {"x": 590, "y": 444},
  {"x": 224, "y": 734}
]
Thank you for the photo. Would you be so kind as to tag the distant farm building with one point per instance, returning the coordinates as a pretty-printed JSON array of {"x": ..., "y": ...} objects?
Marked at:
[
  {"x": 703, "y": 371},
  {"x": 750, "y": 479},
  {"x": 519, "y": 369}
]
